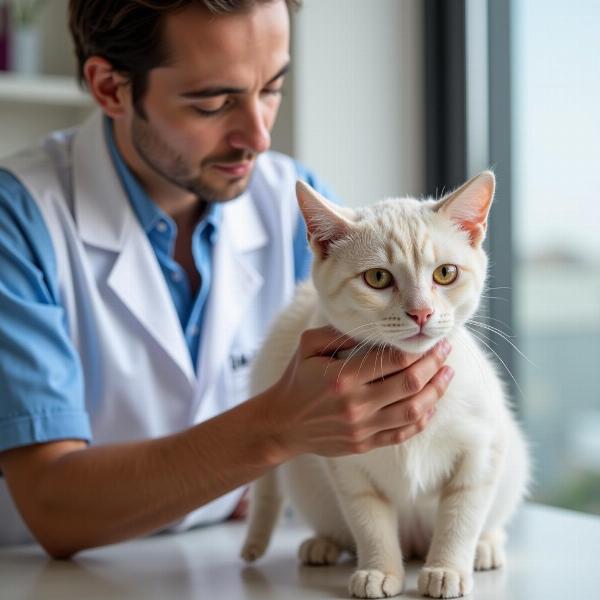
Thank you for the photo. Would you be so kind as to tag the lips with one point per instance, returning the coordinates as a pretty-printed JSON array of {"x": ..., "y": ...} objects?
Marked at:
[{"x": 234, "y": 169}]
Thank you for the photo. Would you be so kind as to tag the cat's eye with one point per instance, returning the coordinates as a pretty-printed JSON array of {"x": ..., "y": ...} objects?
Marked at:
[
  {"x": 445, "y": 274},
  {"x": 378, "y": 278}
]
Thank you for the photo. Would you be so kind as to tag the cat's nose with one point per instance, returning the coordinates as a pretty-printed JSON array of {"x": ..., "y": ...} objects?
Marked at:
[{"x": 420, "y": 315}]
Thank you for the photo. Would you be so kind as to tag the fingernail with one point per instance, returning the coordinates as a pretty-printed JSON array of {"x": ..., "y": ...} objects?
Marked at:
[
  {"x": 448, "y": 373},
  {"x": 430, "y": 412},
  {"x": 444, "y": 348}
]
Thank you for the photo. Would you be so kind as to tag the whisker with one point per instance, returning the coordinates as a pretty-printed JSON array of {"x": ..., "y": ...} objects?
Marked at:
[
  {"x": 331, "y": 358},
  {"x": 504, "y": 336},
  {"x": 494, "y": 298},
  {"x": 356, "y": 349},
  {"x": 375, "y": 363},
  {"x": 503, "y": 363},
  {"x": 362, "y": 362},
  {"x": 378, "y": 325},
  {"x": 381, "y": 359},
  {"x": 347, "y": 334},
  {"x": 486, "y": 337},
  {"x": 354, "y": 352},
  {"x": 490, "y": 327},
  {"x": 488, "y": 318}
]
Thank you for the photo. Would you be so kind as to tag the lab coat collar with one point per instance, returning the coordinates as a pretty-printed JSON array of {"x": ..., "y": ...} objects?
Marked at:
[
  {"x": 106, "y": 220},
  {"x": 101, "y": 209}
]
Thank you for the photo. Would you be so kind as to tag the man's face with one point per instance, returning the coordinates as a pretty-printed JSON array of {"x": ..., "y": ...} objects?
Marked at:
[{"x": 209, "y": 112}]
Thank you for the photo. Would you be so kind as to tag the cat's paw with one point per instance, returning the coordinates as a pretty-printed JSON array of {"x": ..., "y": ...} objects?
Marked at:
[
  {"x": 318, "y": 551},
  {"x": 490, "y": 553},
  {"x": 253, "y": 550},
  {"x": 372, "y": 583},
  {"x": 439, "y": 582}
]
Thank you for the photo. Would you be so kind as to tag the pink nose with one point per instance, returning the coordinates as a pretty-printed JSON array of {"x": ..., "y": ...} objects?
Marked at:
[{"x": 420, "y": 315}]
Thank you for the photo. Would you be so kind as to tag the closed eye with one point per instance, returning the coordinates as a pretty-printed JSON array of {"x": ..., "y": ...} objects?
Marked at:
[
  {"x": 207, "y": 112},
  {"x": 277, "y": 92}
]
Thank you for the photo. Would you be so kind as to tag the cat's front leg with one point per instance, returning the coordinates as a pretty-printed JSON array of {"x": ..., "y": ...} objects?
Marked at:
[
  {"x": 463, "y": 506},
  {"x": 373, "y": 521}
]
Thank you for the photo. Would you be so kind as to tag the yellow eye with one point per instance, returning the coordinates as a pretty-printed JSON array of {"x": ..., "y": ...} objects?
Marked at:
[
  {"x": 378, "y": 278},
  {"x": 445, "y": 274}
]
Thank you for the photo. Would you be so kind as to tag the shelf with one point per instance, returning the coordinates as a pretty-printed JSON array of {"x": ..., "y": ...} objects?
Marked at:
[{"x": 42, "y": 89}]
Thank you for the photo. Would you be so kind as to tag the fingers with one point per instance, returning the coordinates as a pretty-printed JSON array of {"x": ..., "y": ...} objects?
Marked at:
[
  {"x": 413, "y": 411},
  {"x": 396, "y": 423},
  {"x": 324, "y": 341},
  {"x": 408, "y": 418},
  {"x": 376, "y": 364},
  {"x": 391, "y": 437},
  {"x": 411, "y": 380}
]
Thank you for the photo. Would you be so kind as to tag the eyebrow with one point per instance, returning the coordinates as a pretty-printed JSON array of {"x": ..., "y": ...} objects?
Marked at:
[{"x": 213, "y": 91}]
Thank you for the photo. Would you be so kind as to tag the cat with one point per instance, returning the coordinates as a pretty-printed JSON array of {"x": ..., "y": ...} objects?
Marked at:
[{"x": 446, "y": 494}]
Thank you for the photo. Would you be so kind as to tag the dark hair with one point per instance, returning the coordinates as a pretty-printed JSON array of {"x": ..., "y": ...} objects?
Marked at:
[{"x": 127, "y": 33}]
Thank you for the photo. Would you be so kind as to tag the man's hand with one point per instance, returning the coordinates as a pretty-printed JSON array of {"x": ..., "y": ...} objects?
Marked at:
[{"x": 330, "y": 406}]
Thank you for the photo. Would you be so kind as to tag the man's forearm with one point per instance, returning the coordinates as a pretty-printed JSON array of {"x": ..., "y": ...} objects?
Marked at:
[{"x": 105, "y": 494}]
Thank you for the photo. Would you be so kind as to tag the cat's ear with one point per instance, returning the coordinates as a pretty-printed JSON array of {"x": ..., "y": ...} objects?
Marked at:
[
  {"x": 325, "y": 222},
  {"x": 469, "y": 205}
]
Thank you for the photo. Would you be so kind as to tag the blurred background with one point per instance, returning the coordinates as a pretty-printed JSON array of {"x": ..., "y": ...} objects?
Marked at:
[{"x": 395, "y": 97}]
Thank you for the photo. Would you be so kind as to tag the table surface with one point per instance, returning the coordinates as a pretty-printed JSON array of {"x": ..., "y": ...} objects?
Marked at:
[{"x": 552, "y": 554}]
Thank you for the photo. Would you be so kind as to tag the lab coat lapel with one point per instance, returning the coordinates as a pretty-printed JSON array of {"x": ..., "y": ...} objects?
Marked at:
[
  {"x": 235, "y": 284},
  {"x": 106, "y": 221},
  {"x": 138, "y": 282}
]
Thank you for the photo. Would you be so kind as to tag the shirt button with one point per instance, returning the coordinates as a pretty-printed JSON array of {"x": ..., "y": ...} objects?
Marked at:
[
  {"x": 195, "y": 330},
  {"x": 176, "y": 276},
  {"x": 161, "y": 226}
]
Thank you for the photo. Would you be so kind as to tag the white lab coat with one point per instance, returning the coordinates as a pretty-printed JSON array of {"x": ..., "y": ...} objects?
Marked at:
[{"x": 139, "y": 378}]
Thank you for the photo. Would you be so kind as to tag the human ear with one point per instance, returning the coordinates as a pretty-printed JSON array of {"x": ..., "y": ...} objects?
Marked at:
[{"x": 110, "y": 89}]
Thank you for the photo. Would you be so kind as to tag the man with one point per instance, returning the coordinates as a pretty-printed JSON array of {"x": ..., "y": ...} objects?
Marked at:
[{"x": 142, "y": 259}]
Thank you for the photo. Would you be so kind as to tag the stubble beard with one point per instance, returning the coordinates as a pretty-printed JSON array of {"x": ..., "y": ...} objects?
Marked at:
[{"x": 170, "y": 165}]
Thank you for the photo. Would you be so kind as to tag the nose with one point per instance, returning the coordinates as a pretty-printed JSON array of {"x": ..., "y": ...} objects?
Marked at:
[
  {"x": 420, "y": 315},
  {"x": 252, "y": 132}
]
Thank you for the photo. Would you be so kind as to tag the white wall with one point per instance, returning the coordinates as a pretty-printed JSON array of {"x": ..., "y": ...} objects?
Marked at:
[
  {"x": 58, "y": 56},
  {"x": 358, "y": 101}
]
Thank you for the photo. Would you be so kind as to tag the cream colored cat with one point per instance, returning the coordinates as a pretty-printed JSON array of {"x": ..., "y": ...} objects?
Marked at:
[{"x": 447, "y": 493}]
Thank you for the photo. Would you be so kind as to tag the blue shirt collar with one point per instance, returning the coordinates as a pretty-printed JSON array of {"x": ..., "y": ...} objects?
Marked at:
[{"x": 147, "y": 212}]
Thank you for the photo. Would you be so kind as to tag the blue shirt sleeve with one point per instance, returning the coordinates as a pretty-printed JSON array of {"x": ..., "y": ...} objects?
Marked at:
[
  {"x": 41, "y": 382},
  {"x": 302, "y": 253}
]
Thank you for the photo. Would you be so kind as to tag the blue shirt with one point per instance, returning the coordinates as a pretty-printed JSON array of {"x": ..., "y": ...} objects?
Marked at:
[{"x": 41, "y": 378}]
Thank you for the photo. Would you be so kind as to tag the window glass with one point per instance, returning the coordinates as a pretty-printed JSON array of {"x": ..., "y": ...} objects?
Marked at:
[{"x": 556, "y": 212}]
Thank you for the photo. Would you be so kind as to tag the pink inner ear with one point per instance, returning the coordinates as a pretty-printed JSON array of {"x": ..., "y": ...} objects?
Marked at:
[
  {"x": 469, "y": 206},
  {"x": 323, "y": 223},
  {"x": 476, "y": 231}
]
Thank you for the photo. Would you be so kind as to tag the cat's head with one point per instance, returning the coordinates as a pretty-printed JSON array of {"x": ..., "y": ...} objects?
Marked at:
[{"x": 402, "y": 271}]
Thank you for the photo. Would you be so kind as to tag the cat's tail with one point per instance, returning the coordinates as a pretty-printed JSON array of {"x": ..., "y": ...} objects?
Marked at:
[{"x": 266, "y": 501}]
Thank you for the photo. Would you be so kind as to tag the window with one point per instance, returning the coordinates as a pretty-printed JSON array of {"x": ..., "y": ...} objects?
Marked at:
[{"x": 556, "y": 232}]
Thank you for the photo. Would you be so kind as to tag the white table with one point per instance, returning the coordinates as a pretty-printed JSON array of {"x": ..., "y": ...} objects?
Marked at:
[{"x": 553, "y": 554}]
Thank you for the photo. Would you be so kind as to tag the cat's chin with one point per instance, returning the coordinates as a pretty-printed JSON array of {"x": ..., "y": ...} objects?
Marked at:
[{"x": 416, "y": 344}]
